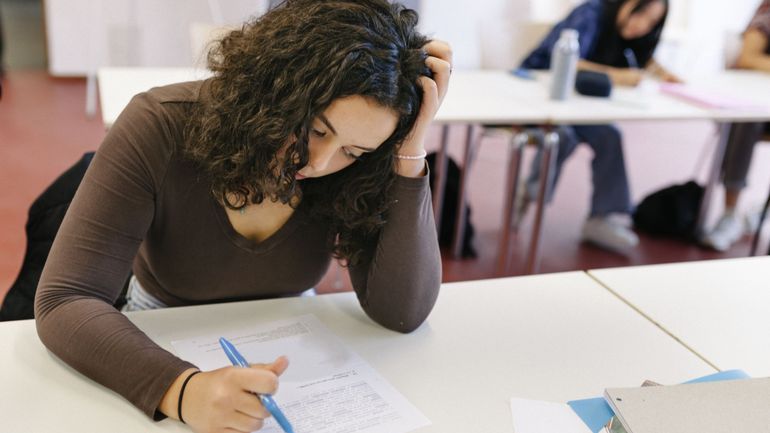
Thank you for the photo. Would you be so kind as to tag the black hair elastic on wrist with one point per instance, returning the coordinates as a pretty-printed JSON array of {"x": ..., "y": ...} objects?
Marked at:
[{"x": 181, "y": 395}]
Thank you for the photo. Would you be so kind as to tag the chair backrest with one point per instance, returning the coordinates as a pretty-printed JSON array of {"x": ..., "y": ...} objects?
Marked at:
[
  {"x": 504, "y": 44},
  {"x": 531, "y": 34},
  {"x": 733, "y": 42},
  {"x": 202, "y": 35}
]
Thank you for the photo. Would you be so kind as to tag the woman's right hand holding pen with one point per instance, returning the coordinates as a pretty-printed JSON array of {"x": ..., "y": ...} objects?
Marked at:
[{"x": 223, "y": 400}]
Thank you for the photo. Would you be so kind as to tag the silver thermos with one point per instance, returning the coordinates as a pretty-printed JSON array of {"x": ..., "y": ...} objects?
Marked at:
[{"x": 564, "y": 60}]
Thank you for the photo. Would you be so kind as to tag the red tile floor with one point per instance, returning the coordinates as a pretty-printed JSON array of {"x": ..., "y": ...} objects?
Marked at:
[{"x": 43, "y": 130}]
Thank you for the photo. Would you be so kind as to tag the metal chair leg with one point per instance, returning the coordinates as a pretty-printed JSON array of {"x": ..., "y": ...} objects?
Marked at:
[
  {"x": 755, "y": 242},
  {"x": 716, "y": 168},
  {"x": 515, "y": 148},
  {"x": 548, "y": 163},
  {"x": 439, "y": 184},
  {"x": 459, "y": 229}
]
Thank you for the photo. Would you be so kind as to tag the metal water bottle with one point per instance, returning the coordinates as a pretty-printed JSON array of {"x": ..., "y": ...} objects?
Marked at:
[{"x": 564, "y": 60}]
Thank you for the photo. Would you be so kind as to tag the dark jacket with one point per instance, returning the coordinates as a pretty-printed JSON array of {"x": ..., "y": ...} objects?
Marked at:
[{"x": 45, "y": 217}]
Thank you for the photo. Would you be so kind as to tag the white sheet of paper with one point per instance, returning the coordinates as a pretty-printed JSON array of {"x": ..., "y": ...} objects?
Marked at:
[
  {"x": 533, "y": 416},
  {"x": 327, "y": 387}
]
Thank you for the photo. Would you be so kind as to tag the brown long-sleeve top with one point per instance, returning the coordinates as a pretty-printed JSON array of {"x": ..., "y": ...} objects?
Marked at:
[{"x": 143, "y": 206}]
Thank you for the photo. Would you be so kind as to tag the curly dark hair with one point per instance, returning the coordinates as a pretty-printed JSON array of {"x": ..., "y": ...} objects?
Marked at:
[{"x": 275, "y": 75}]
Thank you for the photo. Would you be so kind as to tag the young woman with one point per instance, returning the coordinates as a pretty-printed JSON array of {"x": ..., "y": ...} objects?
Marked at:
[
  {"x": 617, "y": 37},
  {"x": 306, "y": 144},
  {"x": 755, "y": 54}
]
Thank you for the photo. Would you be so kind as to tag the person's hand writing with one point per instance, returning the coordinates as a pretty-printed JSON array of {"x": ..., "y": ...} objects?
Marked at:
[
  {"x": 630, "y": 77},
  {"x": 223, "y": 400}
]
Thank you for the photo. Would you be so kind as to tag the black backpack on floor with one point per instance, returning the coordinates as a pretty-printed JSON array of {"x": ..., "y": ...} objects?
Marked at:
[
  {"x": 449, "y": 208},
  {"x": 671, "y": 211}
]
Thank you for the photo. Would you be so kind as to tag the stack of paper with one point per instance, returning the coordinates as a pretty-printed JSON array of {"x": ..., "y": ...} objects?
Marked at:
[{"x": 327, "y": 389}]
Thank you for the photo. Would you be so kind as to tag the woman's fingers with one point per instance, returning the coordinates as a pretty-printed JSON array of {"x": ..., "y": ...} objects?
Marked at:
[
  {"x": 249, "y": 404},
  {"x": 241, "y": 422},
  {"x": 441, "y": 71},
  {"x": 430, "y": 98},
  {"x": 440, "y": 62},
  {"x": 277, "y": 367},
  {"x": 257, "y": 380},
  {"x": 439, "y": 49}
]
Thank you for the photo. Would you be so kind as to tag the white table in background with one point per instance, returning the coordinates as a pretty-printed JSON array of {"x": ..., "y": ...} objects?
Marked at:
[
  {"x": 495, "y": 97},
  {"x": 498, "y": 97},
  {"x": 551, "y": 337},
  {"x": 719, "y": 308},
  {"x": 118, "y": 85}
]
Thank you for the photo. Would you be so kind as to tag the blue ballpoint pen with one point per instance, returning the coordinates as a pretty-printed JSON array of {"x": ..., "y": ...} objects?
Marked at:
[
  {"x": 267, "y": 400},
  {"x": 631, "y": 58}
]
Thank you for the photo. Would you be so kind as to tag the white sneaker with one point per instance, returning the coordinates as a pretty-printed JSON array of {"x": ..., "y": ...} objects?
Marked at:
[
  {"x": 728, "y": 231},
  {"x": 751, "y": 221},
  {"x": 609, "y": 232}
]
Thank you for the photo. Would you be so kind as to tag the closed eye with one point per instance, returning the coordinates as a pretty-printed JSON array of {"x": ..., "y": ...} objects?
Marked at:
[
  {"x": 318, "y": 133},
  {"x": 351, "y": 155}
]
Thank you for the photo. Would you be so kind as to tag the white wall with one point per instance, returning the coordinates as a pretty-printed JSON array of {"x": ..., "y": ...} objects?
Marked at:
[
  {"x": 85, "y": 34},
  {"x": 704, "y": 27},
  {"x": 481, "y": 32}
]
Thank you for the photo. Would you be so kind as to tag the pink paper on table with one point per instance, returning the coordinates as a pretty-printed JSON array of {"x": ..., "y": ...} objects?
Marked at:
[{"x": 709, "y": 99}]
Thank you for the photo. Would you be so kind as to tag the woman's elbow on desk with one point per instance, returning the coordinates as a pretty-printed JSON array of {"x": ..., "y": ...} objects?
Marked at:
[
  {"x": 404, "y": 324},
  {"x": 403, "y": 311}
]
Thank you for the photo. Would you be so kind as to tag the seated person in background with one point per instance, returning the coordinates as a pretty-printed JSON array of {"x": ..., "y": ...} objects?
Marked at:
[
  {"x": 307, "y": 144},
  {"x": 755, "y": 54},
  {"x": 615, "y": 38}
]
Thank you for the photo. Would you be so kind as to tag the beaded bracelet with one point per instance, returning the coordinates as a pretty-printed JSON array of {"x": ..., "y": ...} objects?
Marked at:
[
  {"x": 181, "y": 395},
  {"x": 423, "y": 155}
]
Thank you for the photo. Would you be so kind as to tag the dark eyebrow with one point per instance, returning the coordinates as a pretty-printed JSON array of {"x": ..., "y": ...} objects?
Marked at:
[{"x": 327, "y": 123}]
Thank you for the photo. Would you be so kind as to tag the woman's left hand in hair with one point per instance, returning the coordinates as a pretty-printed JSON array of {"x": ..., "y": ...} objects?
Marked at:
[{"x": 434, "y": 89}]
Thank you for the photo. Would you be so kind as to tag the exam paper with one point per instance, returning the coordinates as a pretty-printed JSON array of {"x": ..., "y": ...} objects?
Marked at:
[
  {"x": 327, "y": 387},
  {"x": 533, "y": 416}
]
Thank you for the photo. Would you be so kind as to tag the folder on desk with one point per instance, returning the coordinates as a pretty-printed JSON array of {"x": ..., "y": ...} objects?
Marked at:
[
  {"x": 595, "y": 412},
  {"x": 711, "y": 407},
  {"x": 709, "y": 99}
]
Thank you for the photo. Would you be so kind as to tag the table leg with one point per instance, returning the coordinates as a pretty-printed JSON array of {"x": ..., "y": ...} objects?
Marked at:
[
  {"x": 758, "y": 233},
  {"x": 439, "y": 183},
  {"x": 713, "y": 179},
  {"x": 459, "y": 229},
  {"x": 548, "y": 163},
  {"x": 515, "y": 149}
]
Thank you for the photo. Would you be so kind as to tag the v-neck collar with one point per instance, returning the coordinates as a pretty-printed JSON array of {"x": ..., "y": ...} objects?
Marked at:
[{"x": 294, "y": 221}]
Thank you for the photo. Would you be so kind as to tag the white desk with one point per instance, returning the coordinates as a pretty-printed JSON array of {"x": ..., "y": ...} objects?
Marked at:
[
  {"x": 497, "y": 97},
  {"x": 720, "y": 308},
  {"x": 553, "y": 337}
]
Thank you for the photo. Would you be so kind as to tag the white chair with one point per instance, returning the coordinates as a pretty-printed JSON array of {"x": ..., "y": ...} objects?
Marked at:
[{"x": 733, "y": 42}]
